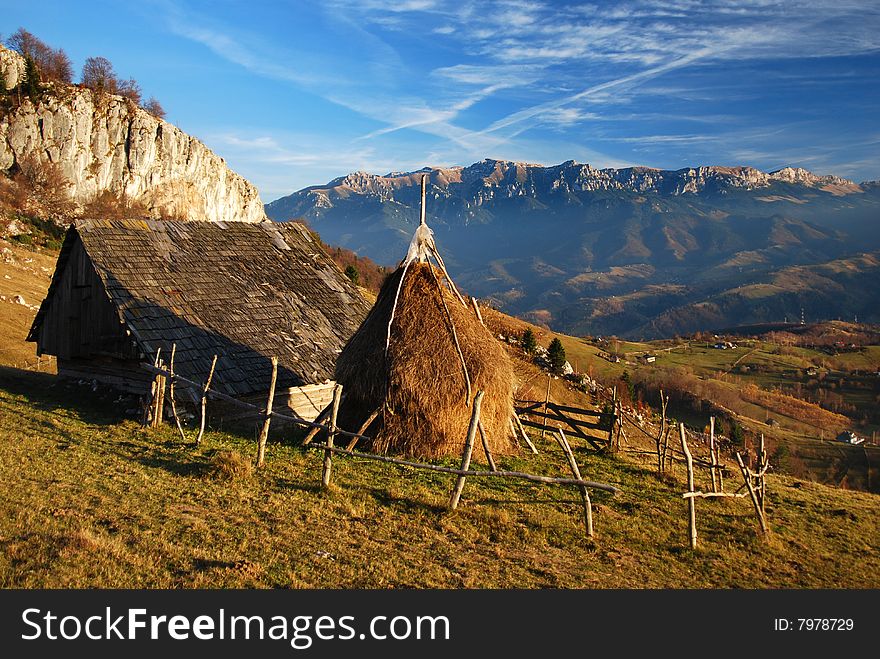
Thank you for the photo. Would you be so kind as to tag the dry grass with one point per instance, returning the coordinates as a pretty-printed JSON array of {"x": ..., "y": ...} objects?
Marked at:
[
  {"x": 229, "y": 466},
  {"x": 91, "y": 499},
  {"x": 26, "y": 272},
  {"x": 420, "y": 385}
]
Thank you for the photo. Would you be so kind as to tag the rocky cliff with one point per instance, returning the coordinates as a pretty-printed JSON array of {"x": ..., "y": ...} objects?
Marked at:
[{"x": 102, "y": 142}]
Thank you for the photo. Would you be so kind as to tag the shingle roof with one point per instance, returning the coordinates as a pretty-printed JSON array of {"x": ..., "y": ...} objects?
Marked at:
[{"x": 243, "y": 291}]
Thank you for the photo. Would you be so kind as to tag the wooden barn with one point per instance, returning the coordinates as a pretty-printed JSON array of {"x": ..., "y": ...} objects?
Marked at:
[{"x": 124, "y": 289}]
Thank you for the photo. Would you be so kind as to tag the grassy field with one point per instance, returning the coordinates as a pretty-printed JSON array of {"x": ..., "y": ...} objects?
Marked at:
[{"x": 93, "y": 499}]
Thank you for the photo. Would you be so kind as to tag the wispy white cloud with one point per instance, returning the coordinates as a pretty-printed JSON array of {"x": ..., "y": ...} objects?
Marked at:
[{"x": 501, "y": 70}]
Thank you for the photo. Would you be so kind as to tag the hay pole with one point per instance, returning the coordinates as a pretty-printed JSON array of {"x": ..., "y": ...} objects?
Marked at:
[
  {"x": 585, "y": 495},
  {"x": 522, "y": 430},
  {"x": 171, "y": 393},
  {"x": 394, "y": 306},
  {"x": 205, "y": 401},
  {"x": 432, "y": 249},
  {"x": 477, "y": 311},
  {"x": 692, "y": 510},
  {"x": 468, "y": 450},
  {"x": 747, "y": 477},
  {"x": 331, "y": 436},
  {"x": 467, "y": 379},
  {"x": 486, "y": 450},
  {"x": 264, "y": 432}
]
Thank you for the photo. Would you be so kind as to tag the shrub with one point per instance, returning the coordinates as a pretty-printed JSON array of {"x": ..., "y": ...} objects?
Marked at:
[
  {"x": 154, "y": 108},
  {"x": 43, "y": 187},
  {"x": 353, "y": 275},
  {"x": 52, "y": 65}
]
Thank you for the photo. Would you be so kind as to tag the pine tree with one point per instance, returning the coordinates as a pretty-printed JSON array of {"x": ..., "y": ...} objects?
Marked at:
[
  {"x": 556, "y": 356},
  {"x": 352, "y": 273},
  {"x": 528, "y": 342},
  {"x": 31, "y": 83}
]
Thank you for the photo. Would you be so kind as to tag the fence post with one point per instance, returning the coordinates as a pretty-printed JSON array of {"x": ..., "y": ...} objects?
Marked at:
[
  {"x": 264, "y": 433},
  {"x": 576, "y": 472},
  {"x": 546, "y": 402},
  {"x": 692, "y": 510},
  {"x": 331, "y": 436},
  {"x": 171, "y": 394},
  {"x": 205, "y": 401},
  {"x": 468, "y": 450}
]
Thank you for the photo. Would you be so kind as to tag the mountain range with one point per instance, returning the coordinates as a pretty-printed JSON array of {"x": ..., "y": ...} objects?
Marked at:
[{"x": 637, "y": 252}]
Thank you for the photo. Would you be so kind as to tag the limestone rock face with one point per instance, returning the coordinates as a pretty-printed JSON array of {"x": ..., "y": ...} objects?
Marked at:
[
  {"x": 104, "y": 142},
  {"x": 11, "y": 66}
]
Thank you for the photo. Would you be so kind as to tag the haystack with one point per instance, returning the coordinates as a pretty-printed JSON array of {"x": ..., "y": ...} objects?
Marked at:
[{"x": 417, "y": 361}]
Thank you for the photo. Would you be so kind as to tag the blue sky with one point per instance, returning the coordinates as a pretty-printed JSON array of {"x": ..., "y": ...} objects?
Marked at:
[{"x": 296, "y": 93}]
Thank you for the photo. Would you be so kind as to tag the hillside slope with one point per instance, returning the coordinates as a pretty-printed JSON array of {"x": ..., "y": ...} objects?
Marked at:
[{"x": 95, "y": 500}]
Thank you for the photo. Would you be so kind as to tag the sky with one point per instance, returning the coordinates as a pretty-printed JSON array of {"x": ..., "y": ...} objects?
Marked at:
[{"x": 296, "y": 93}]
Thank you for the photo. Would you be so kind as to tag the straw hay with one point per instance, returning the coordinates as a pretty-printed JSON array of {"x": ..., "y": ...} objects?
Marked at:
[{"x": 420, "y": 385}]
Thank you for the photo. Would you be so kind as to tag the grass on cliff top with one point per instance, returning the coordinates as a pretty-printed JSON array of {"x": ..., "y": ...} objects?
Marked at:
[{"x": 92, "y": 499}]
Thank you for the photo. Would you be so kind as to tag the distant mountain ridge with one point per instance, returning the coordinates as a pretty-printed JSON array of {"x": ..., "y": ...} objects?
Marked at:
[{"x": 589, "y": 250}]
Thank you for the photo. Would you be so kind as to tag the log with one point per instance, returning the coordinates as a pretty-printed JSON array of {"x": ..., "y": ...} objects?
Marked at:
[
  {"x": 525, "y": 437},
  {"x": 205, "y": 401},
  {"x": 710, "y": 495},
  {"x": 534, "y": 478},
  {"x": 361, "y": 430},
  {"x": 748, "y": 481},
  {"x": 171, "y": 394},
  {"x": 576, "y": 472},
  {"x": 331, "y": 436},
  {"x": 264, "y": 432},
  {"x": 692, "y": 512},
  {"x": 468, "y": 450},
  {"x": 573, "y": 410}
]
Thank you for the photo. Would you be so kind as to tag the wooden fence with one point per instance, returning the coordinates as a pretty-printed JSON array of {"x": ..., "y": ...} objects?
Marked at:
[
  {"x": 165, "y": 376},
  {"x": 563, "y": 417}
]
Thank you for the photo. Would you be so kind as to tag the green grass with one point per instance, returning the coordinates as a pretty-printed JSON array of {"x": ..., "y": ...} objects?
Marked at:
[{"x": 93, "y": 499}]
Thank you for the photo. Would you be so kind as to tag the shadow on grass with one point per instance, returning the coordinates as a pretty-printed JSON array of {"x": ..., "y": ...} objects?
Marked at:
[{"x": 49, "y": 392}]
